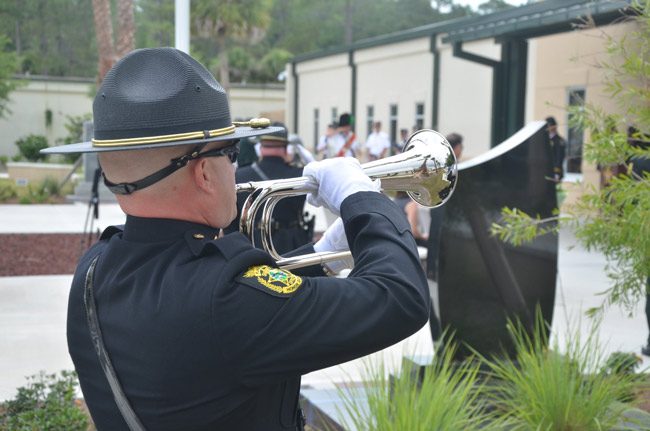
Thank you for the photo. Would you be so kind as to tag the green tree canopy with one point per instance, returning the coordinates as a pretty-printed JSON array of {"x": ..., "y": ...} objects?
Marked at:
[{"x": 8, "y": 64}]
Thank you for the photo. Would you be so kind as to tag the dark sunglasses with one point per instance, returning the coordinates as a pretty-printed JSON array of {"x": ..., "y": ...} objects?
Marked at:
[{"x": 231, "y": 151}]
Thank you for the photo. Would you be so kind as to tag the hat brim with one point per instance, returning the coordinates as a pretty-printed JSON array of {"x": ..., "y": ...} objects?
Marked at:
[
  {"x": 87, "y": 147},
  {"x": 273, "y": 141}
]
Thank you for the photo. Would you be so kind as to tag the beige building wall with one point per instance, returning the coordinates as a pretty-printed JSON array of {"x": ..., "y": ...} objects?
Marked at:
[
  {"x": 568, "y": 61},
  {"x": 324, "y": 84},
  {"x": 29, "y": 104},
  {"x": 465, "y": 103},
  {"x": 251, "y": 100},
  {"x": 381, "y": 82}
]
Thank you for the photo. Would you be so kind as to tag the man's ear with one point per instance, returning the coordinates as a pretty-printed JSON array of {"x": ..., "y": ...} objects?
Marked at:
[{"x": 201, "y": 175}]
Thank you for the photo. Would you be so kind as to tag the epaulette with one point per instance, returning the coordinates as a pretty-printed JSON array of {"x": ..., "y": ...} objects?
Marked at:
[
  {"x": 110, "y": 231},
  {"x": 202, "y": 244}
]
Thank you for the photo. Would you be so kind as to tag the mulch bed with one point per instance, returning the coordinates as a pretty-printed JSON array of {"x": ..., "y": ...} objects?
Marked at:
[{"x": 40, "y": 254}]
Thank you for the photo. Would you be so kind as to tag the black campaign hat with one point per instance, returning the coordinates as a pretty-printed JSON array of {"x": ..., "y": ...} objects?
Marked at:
[{"x": 161, "y": 97}]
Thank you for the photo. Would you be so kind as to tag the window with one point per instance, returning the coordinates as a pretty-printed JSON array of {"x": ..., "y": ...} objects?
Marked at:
[
  {"x": 316, "y": 127},
  {"x": 575, "y": 137},
  {"x": 419, "y": 116},
  {"x": 370, "y": 115},
  {"x": 335, "y": 115},
  {"x": 393, "y": 123}
]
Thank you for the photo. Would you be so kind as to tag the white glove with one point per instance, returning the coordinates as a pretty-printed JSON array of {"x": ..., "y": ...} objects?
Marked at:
[
  {"x": 334, "y": 239},
  {"x": 337, "y": 179}
]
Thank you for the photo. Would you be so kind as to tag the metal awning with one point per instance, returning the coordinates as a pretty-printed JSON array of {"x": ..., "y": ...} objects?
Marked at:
[{"x": 538, "y": 19}]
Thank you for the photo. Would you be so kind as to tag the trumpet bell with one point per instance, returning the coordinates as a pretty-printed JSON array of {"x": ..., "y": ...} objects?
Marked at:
[{"x": 426, "y": 169}]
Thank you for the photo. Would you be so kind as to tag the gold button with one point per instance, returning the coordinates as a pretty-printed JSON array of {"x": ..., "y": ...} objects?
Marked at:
[{"x": 198, "y": 236}]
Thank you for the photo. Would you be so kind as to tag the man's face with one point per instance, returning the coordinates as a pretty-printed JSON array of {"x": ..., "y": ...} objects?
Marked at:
[
  {"x": 225, "y": 197},
  {"x": 552, "y": 129}
]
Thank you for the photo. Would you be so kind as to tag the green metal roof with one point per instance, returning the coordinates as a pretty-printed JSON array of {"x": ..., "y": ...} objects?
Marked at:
[
  {"x": 534, "y": 20},
  {"x": 537, "y": 19}
]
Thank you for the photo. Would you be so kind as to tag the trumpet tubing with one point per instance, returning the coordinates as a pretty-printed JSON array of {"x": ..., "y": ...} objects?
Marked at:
[{"x": 426, "y": 170}]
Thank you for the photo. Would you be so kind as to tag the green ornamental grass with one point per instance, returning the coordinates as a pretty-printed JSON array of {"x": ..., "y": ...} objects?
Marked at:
[
  {"x": 548, "y": 391},
  {"x": 447, "y": 397}
]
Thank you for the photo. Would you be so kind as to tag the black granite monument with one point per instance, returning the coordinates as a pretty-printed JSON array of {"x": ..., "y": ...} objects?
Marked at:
[{"x": 482, "y": 281}]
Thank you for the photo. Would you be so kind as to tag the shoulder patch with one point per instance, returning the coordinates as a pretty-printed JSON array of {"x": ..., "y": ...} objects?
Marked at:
[{"x": 274, "y": 281}]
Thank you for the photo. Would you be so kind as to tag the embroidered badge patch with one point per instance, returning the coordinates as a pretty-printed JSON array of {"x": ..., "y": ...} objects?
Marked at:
[{"x": 278, "y": 281}]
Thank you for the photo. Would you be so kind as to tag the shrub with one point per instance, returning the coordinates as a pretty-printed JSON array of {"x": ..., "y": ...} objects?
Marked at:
[
  {"x": 7, "y": 190},
  {"x": 31, "y": 146},
  {"x": 47, "y": 402},
  {"x": 41, "y": 192},
  {"x": 4, "y": 160}
]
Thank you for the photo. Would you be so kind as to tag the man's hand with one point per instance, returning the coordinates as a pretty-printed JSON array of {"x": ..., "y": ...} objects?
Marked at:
[
  {"x": 337, "y": 179},
  {"x": 334, "y": 239}
]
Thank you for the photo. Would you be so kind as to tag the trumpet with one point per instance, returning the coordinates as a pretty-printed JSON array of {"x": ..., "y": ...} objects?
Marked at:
[{"x": 426, "y": 170}]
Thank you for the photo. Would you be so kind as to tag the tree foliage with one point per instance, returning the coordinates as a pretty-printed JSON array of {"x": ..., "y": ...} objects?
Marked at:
[
  {"x": 49, "y": 36},
  {"x": 8, "y": 63},
  {"x": 615, "y": 219},
  {"x": 47, "y": 44},
  {"x": 223, "y": 24}
]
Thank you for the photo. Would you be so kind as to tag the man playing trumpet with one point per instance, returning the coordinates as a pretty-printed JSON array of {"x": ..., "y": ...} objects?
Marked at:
[{"x": 174, "y": 327}]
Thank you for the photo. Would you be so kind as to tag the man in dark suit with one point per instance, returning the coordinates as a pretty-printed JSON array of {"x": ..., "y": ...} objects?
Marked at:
[
  {"x": 558, "y": 147},
  {"x": 289, "y": 228}
]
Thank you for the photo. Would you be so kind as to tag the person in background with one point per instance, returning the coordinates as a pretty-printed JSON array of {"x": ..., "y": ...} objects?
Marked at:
[
  {"x": 558, "y": 147},
  {"x": 247, "y": 153},
  {"x": 346, "y": 143},
  {"x": 397, "y": 147},
  {"x": 325, "y": 148},
  {"x": 412, "y": 211},
  {"x": 377, "y": 143},
  {"x": 289, "y": 229},
  {"x": 433, "y": 243},
  {"x": 172, "y": 325},
  {"x": 297, "y": 154}
]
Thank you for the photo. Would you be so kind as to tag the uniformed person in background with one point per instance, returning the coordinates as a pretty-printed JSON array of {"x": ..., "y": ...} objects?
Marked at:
[
  {"x": 558, "y": 148},
  {"x": 172, "y": 326},
  {"x": 289, "y": 228}
]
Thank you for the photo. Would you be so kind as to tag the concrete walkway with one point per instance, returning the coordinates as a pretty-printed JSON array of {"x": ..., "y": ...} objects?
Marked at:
[{"x": 33, "y": 309}]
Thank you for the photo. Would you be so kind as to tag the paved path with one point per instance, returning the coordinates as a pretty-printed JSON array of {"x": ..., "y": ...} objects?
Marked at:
[{"x": 32, "y": 309}]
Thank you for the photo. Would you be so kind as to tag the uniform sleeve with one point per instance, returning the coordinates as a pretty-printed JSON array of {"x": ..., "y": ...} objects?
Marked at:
[{"x": 326, "y": 321}]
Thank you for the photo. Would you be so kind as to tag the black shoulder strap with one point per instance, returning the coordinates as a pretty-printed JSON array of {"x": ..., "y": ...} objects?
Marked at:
[
  {"x": 258, "y": 170},
  {"x": 95, "y": 333}
]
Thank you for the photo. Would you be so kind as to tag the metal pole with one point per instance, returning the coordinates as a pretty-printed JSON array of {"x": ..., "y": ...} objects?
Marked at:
[{"x": 182, "y": 25}]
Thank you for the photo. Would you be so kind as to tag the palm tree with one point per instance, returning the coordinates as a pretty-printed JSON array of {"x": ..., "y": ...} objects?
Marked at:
[
  {"x": 225, "y": 21},
  {"x": 108, "y": 52}
]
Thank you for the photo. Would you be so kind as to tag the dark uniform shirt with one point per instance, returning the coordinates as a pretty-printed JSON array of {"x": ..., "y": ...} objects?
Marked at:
[
  {"x": 204, "y": 336},
  {"x": 288, "y": 230},
  {"x": 558, "y": 148}
]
